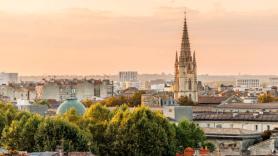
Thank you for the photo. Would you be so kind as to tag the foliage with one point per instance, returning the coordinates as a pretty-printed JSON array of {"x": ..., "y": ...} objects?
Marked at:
[
  {"x": 42, "y": 102},
  {"x": 87, "y": 102},
  {"x": 122, "y": 131},
  {"x": 98, "y": 112},
  {"x": 267, "y": 98},
  {"x": 211, "y": 147},
  {"x": 266, "y": 135},
  {"x": 142, "y": 132},
  {"x": 189, "y": 134},
  {"x": 53, "y": 132},
  {"x": 71, "y": 116},
  {"x": 185, "y": 101},
  {"x": 133, "y": 101}
]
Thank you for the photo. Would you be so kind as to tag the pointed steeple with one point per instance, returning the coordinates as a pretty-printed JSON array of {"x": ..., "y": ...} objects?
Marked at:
[
  {"x": 194, "y": 59},
  {"x": 176, "y": 65},
  {"x": 177, "y": 58},
  {"x": 185, "y": 53}
]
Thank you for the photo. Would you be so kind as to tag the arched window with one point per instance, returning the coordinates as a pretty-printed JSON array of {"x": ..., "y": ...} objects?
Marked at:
[{"x": 189, "y": 84}]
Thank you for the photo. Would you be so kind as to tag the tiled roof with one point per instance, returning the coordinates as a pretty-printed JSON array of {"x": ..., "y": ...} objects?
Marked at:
[
  {"x": 250, "y": 106},
  {"x": 211, "y": 99},
  {"x": 228, "y": 131},
  {"x": 236, "y": 117}
]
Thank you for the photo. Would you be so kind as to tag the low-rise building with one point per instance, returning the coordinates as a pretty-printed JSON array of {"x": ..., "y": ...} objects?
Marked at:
[
  {"x": 231, "y": 141},
  {"x": 61, "y": 90},
  {"x": 258, "y": 122}
]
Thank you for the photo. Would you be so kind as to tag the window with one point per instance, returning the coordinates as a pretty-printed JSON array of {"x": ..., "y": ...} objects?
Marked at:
[
  {"x": 208, "y": 125},
  {"x": 232, "y": 125},
  {"x": 189, "y": 84},
  {"x": 268, "y": 127},
  {"x": 218, "y": 126},
  {"x": 256, "y": 127}
]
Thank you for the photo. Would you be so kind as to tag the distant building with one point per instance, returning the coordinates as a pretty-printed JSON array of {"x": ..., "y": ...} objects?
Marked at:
[
  {"x": 128, "y": 76},
  {"x": 231, "y": 141},
  {"x": 158, "y": 99},
  {"x": 128, "y": 79},
  {"x": 178, "y": 113},
  {"x": 6, "y": 78},
  {"x": 248, "y": 83},
  {"x": 273, "y": 81},
  {"x": 258, "y": 122},
  {"x": 14, "y": 91},
  {"x": 25, "y": 105},
  {"x": 61, "y": 90},
  {"x": 145, "y": 85},
  {"x": 211, "y": 100}
]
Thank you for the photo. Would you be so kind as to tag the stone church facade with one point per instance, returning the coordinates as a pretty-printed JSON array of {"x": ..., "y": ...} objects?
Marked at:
[{"x": 185, "y": 83}]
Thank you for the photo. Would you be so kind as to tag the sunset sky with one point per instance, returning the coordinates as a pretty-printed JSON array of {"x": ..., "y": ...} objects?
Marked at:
[{"x": 106, "y": 36}]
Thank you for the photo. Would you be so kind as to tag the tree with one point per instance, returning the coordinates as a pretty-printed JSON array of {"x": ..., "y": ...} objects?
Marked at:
[
  {"x": 211, "y": 147},
  {"x": 87, "y": 102},
  {"x": 71, "y": 116},
  {"x": 11, "y": 135},
  {"x": 266, "y": 135},
  {"x": 98, "y": 112},
  {"x": 20, "y": 134},
  {"x": 142, "y": 132},
  {"x": 185, "y": 101},
  {"x": 53, "y": 132},
  {"x": 189, "y": 135},
  {"x": 42, "y": 102},
  {"x": 28, "y": 133},
  {"x": 265, "y": 98},
  {"x": 135, "y": 99}
]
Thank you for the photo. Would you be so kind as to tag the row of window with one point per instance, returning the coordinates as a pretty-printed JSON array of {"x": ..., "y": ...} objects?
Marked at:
[{"x": 232, "y": 126}]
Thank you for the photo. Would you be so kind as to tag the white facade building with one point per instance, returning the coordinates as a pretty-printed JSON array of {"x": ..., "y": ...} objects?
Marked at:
[
  {"x": 248, "y": 83},
  {"x": 273, "y": 81},
  {"x": 6, "y": 78},
  {"x": 128, "y": 76}
]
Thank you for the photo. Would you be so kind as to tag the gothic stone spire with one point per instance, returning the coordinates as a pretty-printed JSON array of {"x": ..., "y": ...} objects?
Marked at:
[{"x": 185, "y": 54}]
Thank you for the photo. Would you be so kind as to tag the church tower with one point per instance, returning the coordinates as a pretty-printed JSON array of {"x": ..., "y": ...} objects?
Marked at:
[{"x": 185, "y": 83}]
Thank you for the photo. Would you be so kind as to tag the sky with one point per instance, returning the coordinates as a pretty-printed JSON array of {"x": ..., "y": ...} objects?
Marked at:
[{"x": 107, "y": 36}]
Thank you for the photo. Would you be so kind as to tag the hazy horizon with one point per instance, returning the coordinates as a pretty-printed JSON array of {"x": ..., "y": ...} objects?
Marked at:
[{"x": 93, "y": 37}]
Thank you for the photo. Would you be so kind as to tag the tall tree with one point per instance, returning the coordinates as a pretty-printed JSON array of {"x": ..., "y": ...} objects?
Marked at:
[{"x": 189, "y": 134}]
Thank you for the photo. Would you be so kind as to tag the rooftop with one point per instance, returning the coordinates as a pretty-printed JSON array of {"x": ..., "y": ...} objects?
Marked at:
[
  {"x": 266, "y": 117},
  {"x": 249, "y": 106}
]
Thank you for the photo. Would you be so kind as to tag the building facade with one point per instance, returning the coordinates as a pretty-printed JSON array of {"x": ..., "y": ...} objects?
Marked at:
[
  {"x": 61, "y": 90},
  {"x": 248, "y": 83},
  {"x": 186, "y": 70},
  {"x": 6, "y": 78},
  {"x": 128, "y": 76}
]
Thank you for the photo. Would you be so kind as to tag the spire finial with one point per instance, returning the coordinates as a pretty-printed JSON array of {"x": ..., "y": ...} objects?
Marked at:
[{"x": 194, "y": 58}]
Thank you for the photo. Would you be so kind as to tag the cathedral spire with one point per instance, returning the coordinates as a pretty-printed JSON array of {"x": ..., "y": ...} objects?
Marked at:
[
  {"x": 194, "y": 62},
  {"x": 177, "y": 59},
  {"x": 194, "y": 59},
  {"x": 185, "y": 53},
  {"x": 176, "y": 65}
]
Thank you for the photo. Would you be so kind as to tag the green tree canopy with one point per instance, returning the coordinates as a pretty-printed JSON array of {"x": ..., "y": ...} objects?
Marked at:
[
  {"x": 141, "y": 132},
  {"x": 52, "y": 132},
  {"x": 185, "y": 101},
  {"x": 189, "y": 134}
]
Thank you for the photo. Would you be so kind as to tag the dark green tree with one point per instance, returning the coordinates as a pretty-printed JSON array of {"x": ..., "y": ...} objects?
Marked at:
[
  {"x": 189, "y": 134},
  {"x": 98, "y": 113},
  {"x": 185, "y": 101},
  {"x": 141, "y": 132},
  {"x": 53, "y": 132}
]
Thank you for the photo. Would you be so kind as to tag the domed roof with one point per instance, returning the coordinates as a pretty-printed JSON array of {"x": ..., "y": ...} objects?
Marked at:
[{"x": 71, "y": 103}]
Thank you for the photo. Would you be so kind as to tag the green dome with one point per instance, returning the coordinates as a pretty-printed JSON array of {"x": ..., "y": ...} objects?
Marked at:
[{"x": 71, "y": 103}]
